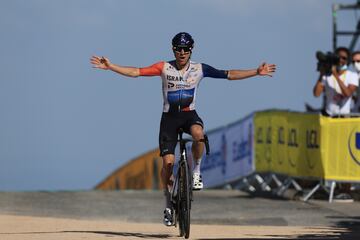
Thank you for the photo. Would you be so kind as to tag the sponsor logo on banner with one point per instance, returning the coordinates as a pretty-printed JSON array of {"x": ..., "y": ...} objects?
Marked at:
[
  {"x": 259, "y": 135},
  {"x": 250, "y": 144},
  {"x": 312, "y": 143},
  {"x": 281, "y": 142},
  {"x": 268, "y": 153},
  {"x": 354, "y": 145},
  {"x": 312, "y": 140},
  {"x": 281, "y": 136},
  {"x": 239, "y": 158},
  {"x": 216, "y": 158},
  {"x": 223, "y": 153},
  {"x": 292, "y": 143},
  {"x": 242, "y": 148},
  {"x": 263, "y": 135}
]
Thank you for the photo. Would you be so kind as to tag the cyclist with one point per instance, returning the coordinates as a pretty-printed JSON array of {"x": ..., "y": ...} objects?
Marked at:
[{"x": 180, "y": 80}]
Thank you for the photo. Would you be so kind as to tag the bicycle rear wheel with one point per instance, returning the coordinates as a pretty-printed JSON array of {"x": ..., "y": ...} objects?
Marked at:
[{"x": 185, "y": 202}]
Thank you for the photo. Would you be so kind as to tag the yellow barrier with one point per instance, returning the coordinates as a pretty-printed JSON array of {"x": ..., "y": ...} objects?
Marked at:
[
  {"x": 307, "y": 145},
  {"x": 140, "y": 173},
  {"x": 263, "y": 141},
  {"x": 342, "y": 149}
]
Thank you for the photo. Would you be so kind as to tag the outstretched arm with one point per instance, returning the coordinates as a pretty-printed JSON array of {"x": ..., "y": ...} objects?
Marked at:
[
  {"x": 264, "y": 69},
  {"x": 319, "y": 87},
  {"x": 105, "y": 64}
]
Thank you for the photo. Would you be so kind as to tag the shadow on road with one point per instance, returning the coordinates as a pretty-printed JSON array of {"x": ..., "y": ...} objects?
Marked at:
[
  {"x": 125, "y": 234},
  {"x": 108, "y": 233},
  {"x": 346, "y": 234},
  {"x": 347, "y": 228}
]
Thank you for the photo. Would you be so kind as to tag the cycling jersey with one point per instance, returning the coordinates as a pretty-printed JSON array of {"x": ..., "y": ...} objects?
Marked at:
[{"x": 179, "y": 89}]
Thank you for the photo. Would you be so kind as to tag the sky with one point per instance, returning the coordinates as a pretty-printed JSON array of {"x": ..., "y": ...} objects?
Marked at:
[{"x": 65, "y": 125}]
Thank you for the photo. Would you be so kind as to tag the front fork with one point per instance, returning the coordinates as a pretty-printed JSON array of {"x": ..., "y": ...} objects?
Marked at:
[{"x": 175, "y": 190}]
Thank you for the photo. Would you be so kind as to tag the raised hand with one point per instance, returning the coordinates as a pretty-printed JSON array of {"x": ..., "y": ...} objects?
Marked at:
[
  {"x": 266, "y": 69},
  {"x": 100, "y": 62}
]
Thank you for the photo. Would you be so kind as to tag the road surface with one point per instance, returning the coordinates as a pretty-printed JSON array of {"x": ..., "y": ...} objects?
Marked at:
[{"x": 216, "y": 214}]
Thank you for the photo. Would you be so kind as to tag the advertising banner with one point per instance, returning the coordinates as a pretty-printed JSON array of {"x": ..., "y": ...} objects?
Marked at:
[
  {"x": 239, "y": 149},
  {"x": 341, "y": 148},
  {"x": 288, "y": 143},
  {"x": 263, "y": 141},
  {"x": 291, "y": 143},
  {"x": 213, "y": 167},
  {"x": 311, "y": 164},
  {"x": 140, "y": 173},
  {"x": 279, "y": 142}
]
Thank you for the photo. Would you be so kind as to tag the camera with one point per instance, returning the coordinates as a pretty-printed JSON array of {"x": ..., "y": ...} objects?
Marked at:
[{"x": 326, "y": 61}]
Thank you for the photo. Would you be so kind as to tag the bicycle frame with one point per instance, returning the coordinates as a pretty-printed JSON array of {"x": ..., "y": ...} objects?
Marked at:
[{"x": 181, "y": 193}]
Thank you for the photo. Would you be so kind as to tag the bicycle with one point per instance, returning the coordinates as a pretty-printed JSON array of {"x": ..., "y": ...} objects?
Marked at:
[{"x": 181, "y": 192}]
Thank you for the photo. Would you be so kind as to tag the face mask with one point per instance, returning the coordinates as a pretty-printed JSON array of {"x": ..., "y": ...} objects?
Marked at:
[
  {"x": 357, "y": 66},
  {"x": 342, "y": 68}
]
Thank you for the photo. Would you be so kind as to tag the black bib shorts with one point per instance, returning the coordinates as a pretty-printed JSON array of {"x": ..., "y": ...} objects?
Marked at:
[{"x": 170, "y": 123}]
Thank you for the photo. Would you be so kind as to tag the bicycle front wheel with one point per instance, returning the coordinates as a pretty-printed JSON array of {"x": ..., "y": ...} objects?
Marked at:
[{"x": 185, "y": 202}]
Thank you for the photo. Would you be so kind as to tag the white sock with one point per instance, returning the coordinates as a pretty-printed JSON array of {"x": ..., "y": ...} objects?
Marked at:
[{"x": 197, "y": 166}]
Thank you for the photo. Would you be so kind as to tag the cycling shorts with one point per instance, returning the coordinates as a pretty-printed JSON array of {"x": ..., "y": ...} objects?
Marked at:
[{"x": 169, "y": 126}]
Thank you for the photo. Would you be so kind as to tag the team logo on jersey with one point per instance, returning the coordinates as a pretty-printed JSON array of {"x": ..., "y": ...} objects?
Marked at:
[
  {"x": 354, "y": 145},
  {"x": 171, "y": 85},
  {"x": 174, "y": 78}
]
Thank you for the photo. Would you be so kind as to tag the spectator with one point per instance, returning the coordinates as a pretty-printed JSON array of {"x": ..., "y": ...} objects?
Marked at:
[
  {"x": 356, "y": 63},
  {"x": 339, "y": 86}
]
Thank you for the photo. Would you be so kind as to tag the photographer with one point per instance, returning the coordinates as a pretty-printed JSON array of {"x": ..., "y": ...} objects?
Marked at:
[
  {"x": 338, "y": 82},
  {"x": 356, "y": 64}
]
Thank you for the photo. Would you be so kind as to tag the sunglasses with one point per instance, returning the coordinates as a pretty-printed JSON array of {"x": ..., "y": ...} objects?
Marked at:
[
  {"x": 343, "y": 57},
  {"x": 179, "y": 48},
  {"x": 356, "y": 61}
]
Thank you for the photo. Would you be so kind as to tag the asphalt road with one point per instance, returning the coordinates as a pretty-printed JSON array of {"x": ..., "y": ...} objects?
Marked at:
[{"x": 210, "y": 207}]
